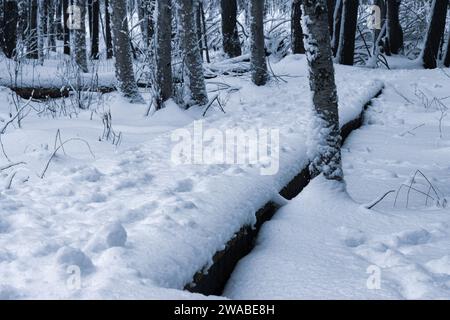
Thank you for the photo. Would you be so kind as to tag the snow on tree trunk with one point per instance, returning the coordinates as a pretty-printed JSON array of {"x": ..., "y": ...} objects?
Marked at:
[
  {"x": 145, "y": 13},
  {"x": 434, "y": 34},
  {"x": 79, "y": 35},
  {"x": 257, "y": 44},
  {"x": 191, "y": 51},
  {"x": 230, "y": 36},
  {"x": 51, "y": 25},
  {"x": 32, "y": 49},
  {"x": 65, "y": 6},
  {"x": 122, "y": 51},
  {"x": 10, "y": 28},
  {"x": 108, "y": 37},
  {"x": 346, "y": 50},
  {"x": 394, "y": 29},
  {"x": 326, "y": 139},
  {"x": 58, "y": 18},
  {"x": 337, "y": 19},
  {"x": 296, "y": 27},
  {"x": 163, "y": 48}
]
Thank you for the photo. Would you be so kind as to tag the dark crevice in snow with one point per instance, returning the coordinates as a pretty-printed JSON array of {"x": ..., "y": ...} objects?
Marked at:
[{"x": 212, "y": 280}]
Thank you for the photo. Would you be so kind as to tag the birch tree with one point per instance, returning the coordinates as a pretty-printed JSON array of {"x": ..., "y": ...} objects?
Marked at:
[
  {"x": 191, "y": 51},
  {"x": 327, "y": 136},
  {"x": 122, "y": 51},
  {"x": 79, "y": 34},
  {"x": 434, "y": 34},
  {"x": 257, "y": 45},
  {"x": 163, "y": 48},
  {"x": 230, "y": 36}
]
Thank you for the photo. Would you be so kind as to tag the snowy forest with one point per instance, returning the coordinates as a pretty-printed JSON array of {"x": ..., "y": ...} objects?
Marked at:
[{"x": 224, "y": 149}]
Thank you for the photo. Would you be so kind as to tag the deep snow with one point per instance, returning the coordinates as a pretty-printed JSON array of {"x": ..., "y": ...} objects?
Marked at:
[
  {"x": 326, "y": 244},
  {"x": 136, "y": 224}
]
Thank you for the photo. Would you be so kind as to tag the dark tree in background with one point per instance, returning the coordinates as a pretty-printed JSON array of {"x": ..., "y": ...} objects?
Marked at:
[
  {"x": 296, "y": 27},
  {"x": 94, "y": 23},
  {"x": 346, "y": 50},
  {"x": 230, "y": 36},
  {"x": 10, "y": 27},
  {"x": 447, "y": 54},
  {"x": 163, "y": 51},
  {"x": 394, "y": 29},
  {"x": 108, "y": 37},
  {"x": 257, "y": 44},
  {"x": 65, "y": 5},
  {"x": 32, "y": 49},
  {"x": 434, "y": 34},
  {"x": 323, "y": 88},
  {"x": 337, "y": 19},
  {"x": 331, "y": 4}
]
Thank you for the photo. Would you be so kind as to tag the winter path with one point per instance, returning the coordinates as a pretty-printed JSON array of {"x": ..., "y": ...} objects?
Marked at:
[
  {"x": 326, "y": 244},
  {"x": 136, "y": 224}
]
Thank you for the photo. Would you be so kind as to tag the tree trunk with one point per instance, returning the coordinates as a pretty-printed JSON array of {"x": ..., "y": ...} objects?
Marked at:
[
  {"x": 447, "y": 54},
  {"x": 108, "y": 37},
  {"x": 79, "y": 36},
  {"x": 330, "y": 5},
  {"x": 65, "y": 6},
  {"x": 122, "y": 51},
  {"x": 191, "y": 51},
  {"x": 337, "y": 20},
  {"x": 32, "y": 50},
  {"x": 94, "y": 27},
  {"x": 323, "y": 87},
  {"x": 42, "y": 22},
  {"x": 296, "y": 27},
  {"x": 51, "y": 27},
  {"x": 163, "y": 56},
  {"x": 394, "y": 29},
  {"x": 145, "y": 13},
  {"x": 230, "y": 35},
  {"x": 346, "y": 50},
  {"x": 58, "y": 18},
  {"x": 10, "y": 28},
  {"x": 22, "y": 25},
  {"x": 434, "y": 34},
  {"x": 257, "y": 44}
]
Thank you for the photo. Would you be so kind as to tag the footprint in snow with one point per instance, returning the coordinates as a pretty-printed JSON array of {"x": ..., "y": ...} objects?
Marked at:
[{"x": 185, "y": 185}]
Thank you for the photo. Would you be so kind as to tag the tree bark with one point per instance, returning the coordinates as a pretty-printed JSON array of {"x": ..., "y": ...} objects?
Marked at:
[
  {"x": 394, "y": 29},
  {"x": 65, "y": 6},
  {"x": 58, "y": 18},
  {"x": 230, "y": 35},
  {"x": 32, "y": 48},
  {"x": 79, "y": 37},
  {"x": 257, "y": 44},
  {"x": 10, "y": 28},
  {"x": 122, "y": 52},
  {"x": 51, "y": 27},
  {"x": 434, "y": 34},
  {"x": 346, "y": 50},
  {"x": 108, "y": 37},
  {"x": 42, "y": 32},
  {"x": 323, "y": 87},
  {"x": 296, "y": 27},
  {"x": 163, "y": 56},
  {"x": 337, "y": 20},
  {"x": 94, "y": 27},
  {"x": 191, "y": 51},
  {"x": 447, "y": 54},
  {"x": 330, "y": 5}
]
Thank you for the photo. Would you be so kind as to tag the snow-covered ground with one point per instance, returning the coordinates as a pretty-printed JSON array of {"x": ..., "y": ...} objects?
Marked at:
[
  {"x": 137, "y": 225},
  {"x": 326, "y": 244},
  {"x": 130, "y": 218}
]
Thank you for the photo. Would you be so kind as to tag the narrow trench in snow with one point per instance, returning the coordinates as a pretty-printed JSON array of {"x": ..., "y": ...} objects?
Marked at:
[{"x": 213, "y": 280}]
